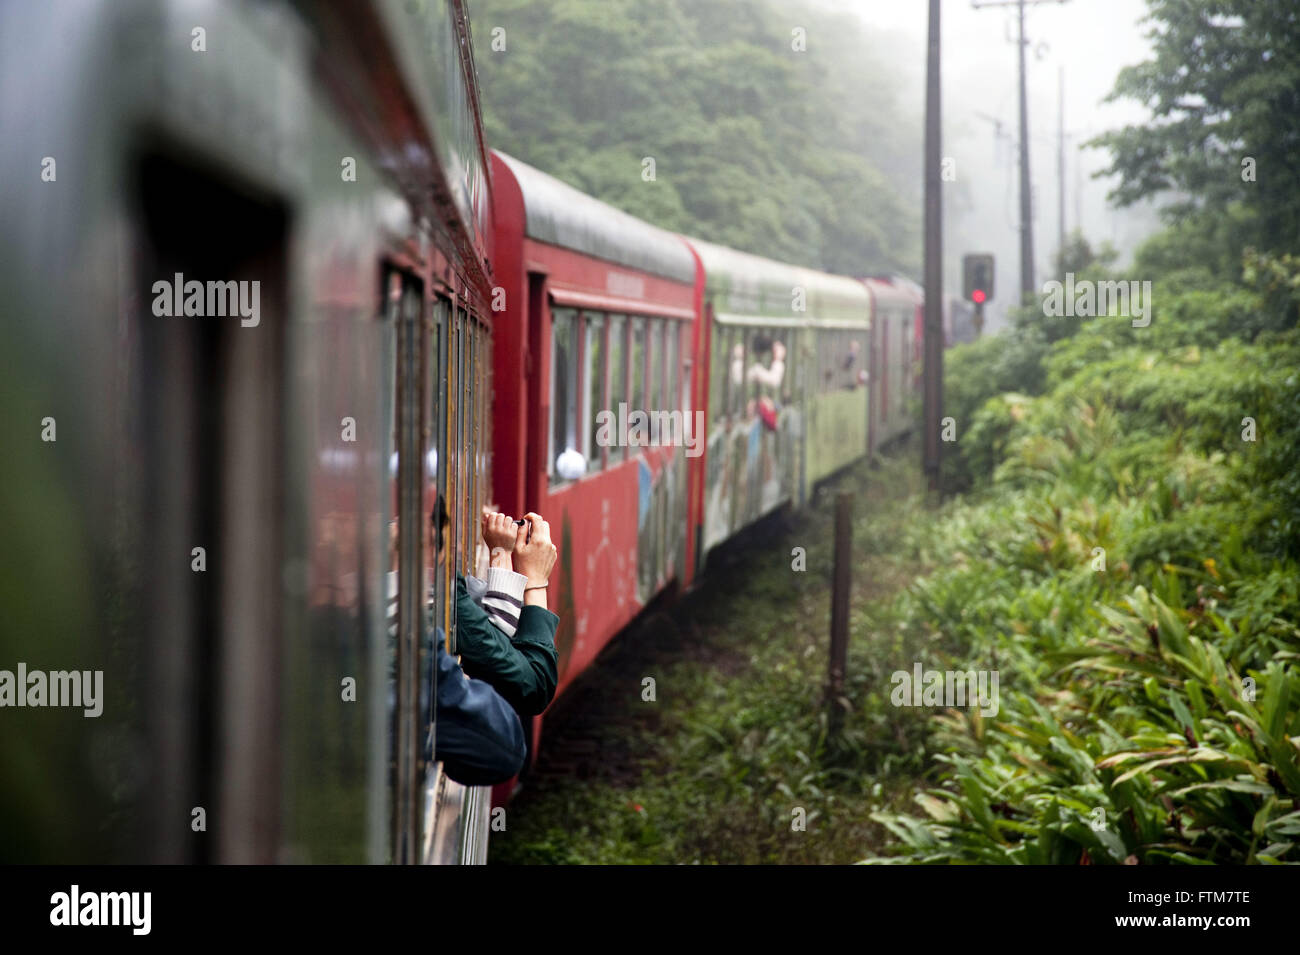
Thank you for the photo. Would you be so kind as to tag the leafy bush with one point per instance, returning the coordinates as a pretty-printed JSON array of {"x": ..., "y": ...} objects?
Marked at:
[{"x": 1127, "y": 563}]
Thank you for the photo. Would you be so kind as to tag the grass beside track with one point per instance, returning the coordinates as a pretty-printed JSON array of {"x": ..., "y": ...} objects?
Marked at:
[{"x": 732, "y": 753}]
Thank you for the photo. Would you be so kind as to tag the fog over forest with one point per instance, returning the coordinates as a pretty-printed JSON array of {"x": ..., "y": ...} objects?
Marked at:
[{"x": 812, "y": 155}]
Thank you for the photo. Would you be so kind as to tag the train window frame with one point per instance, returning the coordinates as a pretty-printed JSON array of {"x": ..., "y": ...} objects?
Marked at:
[
  {"x": 480, "y": 438},
  {"x": 453, "y": 457},
  {"x": 672, "y": 367},
  {"x": 789, "y": 338},
  {"x": 685, "y": 380},
  {"x": 471, "y": 440},
  {"x": 717, "y": 393},
  {"x": 445, "y": 452},
  {"x": 467, "y": 444},
  {"x": 594, "y": 328},
  {"x": 438, "y": 435},
  {"x": 406, "y": 300},
  {"x": 655, "y": 359},
  {"x": 745, "y": 333},
  {"x": 564, "y": 414},
  {"x": 454, "y": 506},
  {"x": 616, "y": 338},
  {"x": 638, "y": 358},
  {"x": 825, "y": 367}
]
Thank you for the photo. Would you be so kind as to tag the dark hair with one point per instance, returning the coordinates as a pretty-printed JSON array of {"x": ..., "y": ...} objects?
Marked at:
[{"x": 438, "y": 517}]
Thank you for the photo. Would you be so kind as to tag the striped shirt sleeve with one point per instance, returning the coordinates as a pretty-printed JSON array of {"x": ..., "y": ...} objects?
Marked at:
[{"x": 504, "y": 598}]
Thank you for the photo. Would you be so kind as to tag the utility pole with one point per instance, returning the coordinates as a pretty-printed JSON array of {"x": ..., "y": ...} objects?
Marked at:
[
  {"x": 1026, "y": 198},
  {"x": 1026, "y": 201},
  {"x": 933, "y": 328},
  {"x": 1060, "y": 160}
]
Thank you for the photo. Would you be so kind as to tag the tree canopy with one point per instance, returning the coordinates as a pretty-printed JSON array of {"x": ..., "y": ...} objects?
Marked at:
[
  {"x": 775, "y": 132},
  {"x": 1224, "y": 90}
]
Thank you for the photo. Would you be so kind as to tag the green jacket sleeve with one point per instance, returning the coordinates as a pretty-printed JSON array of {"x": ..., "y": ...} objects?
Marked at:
[{"x": 523, "y": 670}]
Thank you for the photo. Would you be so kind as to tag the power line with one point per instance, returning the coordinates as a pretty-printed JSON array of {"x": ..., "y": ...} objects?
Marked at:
[{"x": 1026, "y": 193}]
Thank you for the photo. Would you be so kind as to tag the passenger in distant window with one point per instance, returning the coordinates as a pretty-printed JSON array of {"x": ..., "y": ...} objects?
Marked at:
[
  {"x": 770, "y": 375},
  {"x": 768, "y": 379},
  {"x": 853, "y": 376},
  {"x": 738, "y": 364},
  {"x": 509, "y": 641}
]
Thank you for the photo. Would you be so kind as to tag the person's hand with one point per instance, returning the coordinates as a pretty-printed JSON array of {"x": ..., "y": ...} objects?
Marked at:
[
  {"x": 498, "y": 531},
  {"x": 534, "y": 553}
]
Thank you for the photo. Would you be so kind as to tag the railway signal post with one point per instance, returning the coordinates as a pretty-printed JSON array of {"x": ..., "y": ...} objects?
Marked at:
[{"x": 977, "y": 283}]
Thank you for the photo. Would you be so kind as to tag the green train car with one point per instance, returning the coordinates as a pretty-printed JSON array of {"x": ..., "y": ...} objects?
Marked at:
[{"x": 788, "y": 402}]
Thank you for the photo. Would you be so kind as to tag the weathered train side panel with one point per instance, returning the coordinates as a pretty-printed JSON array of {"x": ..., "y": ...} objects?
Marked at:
[
  {"x": 209, "y": 521},
  {"x": 787, "y": 405},
  {"x": 598, "y": 328},
  {"x": 893, "y": 373}
]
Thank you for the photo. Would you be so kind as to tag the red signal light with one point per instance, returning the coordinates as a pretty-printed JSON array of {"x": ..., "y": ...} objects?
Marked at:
[{"x": 978, "y": 296}]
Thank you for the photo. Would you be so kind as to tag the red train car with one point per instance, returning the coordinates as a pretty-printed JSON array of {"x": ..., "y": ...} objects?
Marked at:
[
  {"x": 595, "y": 328},
  {"x": 893, "y": 368}
]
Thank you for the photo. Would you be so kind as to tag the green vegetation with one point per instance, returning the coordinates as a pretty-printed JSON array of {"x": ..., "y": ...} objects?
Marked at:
[
  {"x": 1222, "y": 90},
  {"x": 735, "y": 740},
  {"x": 1122, "y": 548},
  {"x": 1123, "y": 671},
  {"x": 756, "y": 145}
]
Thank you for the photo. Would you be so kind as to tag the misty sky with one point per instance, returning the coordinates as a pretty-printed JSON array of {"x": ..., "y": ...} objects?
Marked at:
[{"x": 1092, "y": 40}]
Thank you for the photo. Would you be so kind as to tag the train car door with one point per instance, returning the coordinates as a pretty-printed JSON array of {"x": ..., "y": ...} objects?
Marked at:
[{"x": 537, "y": 391}]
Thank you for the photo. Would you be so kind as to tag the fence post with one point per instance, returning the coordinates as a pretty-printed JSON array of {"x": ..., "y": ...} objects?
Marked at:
[{"x": 840, "y": 609}]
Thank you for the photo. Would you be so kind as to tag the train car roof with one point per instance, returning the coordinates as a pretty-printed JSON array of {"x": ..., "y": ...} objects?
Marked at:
[
  {"x": 886, "y": 292},
  {"x": 558, "y": 214},
  {"x": 746, "y": 286}
]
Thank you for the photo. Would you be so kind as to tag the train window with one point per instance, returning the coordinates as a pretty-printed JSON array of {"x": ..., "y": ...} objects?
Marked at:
[
  {"x": 617, "y": 377},
  {"x": 212, "y": 651},
  {"x": 834, "y": 357},
  {"x": 457, "y": 503},
  {"x": 455, "y": 479},
  {"x": 470, "y": 442},
  {"x": 594, "y": 369},
  {"x": 410, "y": 724},
  {"x": 443, "y": 425},
  {"x": 848, "y": 360},
  {"x": 836, "y": 353},
  {"x": 638, "y": 345},
  {"x": 884, "y": 376},
  {"x": 672, "y": 375},
  {"x": 817, "y": 363},
  {"x": 683, "y": 368},
  {"x": 739, "y": 352},
  {"x": 718, "y": 372},
  {"x": 485, "y": 422},
  {"x": 654, "y": 385},
  {"x": 468, "y": 446},
  {"x": 437, "y": 461},
  {"x": 792, "y": 387},
  {"x": 760, "y": 362},
  {"x": 467, "y": 441},
  {"x": 828, "y": 343},
  {"x": 564, "y": 386}
]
